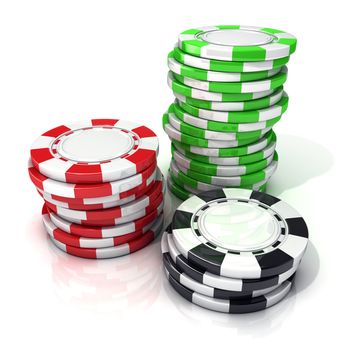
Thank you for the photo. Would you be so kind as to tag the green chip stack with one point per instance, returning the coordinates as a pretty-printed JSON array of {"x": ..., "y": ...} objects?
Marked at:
[{"x": 228, "y": 83}]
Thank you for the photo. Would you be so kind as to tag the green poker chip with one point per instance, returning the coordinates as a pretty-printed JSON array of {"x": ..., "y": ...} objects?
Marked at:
[
  {"x": 177, "y": 135},
  {"x": 237, "y": 43},
  {"x": 225, "y": 138},
  {"x": 260, "y": 103},
  {"x": 207, "y": 75},
  {"x": 180, "y": 178},
  {"x": 233, "y": 161},
  {"x": 271, "y": 83},
  {"x": 177, "y": 190},
  {"x": 228, "y": 66},
  {"x": 254, "y": 116},
  {"x": 221, "y": 127},
  {"x": 188, "y": 91},
  {"x": 219, "y": 170},
  {"x": 253, "y": 178}
]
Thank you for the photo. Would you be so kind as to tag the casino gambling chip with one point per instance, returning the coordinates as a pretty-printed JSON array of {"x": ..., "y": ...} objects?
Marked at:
[
  {"x": 222, "y": 136},
  {"x": 239, "y": 233},
  {"x": 219, "y": 129},
  {"x": 112, "y": 213},
  {"x": 228, "y": 66},
  {"x": 220, "y": 170},
  {"x": 271, "y": 83},
  {"x": 107, "y": 221},
  {"x": 233, "y": 181},
  {"x": 229, "y": 161},
  {"x": 182, "y": 179},
  {"x": 237, "y": 43},
  {"x": 133, "y": 227},
  {"x": 177, "y": 135},
  {"x": 116, "y": 251},
  {"x": 233, "y": 306},
  {"x": 177, "y": 190},
  {"x": 181, "y": 277},
  {"x": 185, "y": 90},
  {"x": 254, "y": 147},
  {"x": 237, "y": 285},
  {"x": 70, "y": 190},
  {"x": 95, "y": 151},
  {"x": 81, "y": 242},
  {"x": 254, "y": 116},
  {"x": 119, "y": 198},
  {"x": 260, "y": 103},
  {"x": 207, "y": 75}
]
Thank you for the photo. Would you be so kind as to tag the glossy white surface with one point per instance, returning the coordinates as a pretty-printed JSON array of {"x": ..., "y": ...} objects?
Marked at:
[{"x": 65, "y": 61}]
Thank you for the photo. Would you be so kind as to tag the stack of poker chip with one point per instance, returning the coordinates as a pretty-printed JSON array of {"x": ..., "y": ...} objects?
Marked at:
[
  {"x": 234, "y": 250},
  {"x": 102, "y": 189},
  {"x": 228, "y": 83}
]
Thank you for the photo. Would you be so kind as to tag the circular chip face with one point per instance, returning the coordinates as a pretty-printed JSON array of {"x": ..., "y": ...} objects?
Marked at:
[
  {"x": 94, "y": 151},
  {"x": 229, "y": 161},
  {"x": 81, "y": 242},
  {"x": 178, "y": 135},
  {"x": 254, "y": 116},
  {"x": 219, "y": 170},
  {"x": 271, "y": 83},
  {"x": 233, "y": 306},
  {"x": 118, "y": 199},
  {"x": 237, "y": 43},
  {"x": 90, "y": 220},
  {"x": 105, "y": 231},
  {"x": 220, "y": 136},
  {"x": 181, "y": 277},
  {"x": 113, "y": 252},
  {"x": 231, "y": 284},
  {"x": 220, "y": 130},
  {"x": 227, "y": 152},
  {"x": 114, "y": 212},
  {"x": 260, "y": 103},
  {"x": 228, "y": 66},
  {"x": 188, "y": 91},
  {"x": 239, "y": 233},
  {"x": 183, "y": 179},
  {"x": 207, "y": 75},
  {"x": 70, "y": 190}
]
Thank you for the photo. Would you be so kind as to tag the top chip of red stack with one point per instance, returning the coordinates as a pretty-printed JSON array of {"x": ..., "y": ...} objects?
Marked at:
[{"x": 95, "y": 151}]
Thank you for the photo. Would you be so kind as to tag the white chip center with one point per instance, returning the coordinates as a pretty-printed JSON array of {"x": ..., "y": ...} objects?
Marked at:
[
  {"x": 94, "y": 145},
  {"x": 238, "y": 226},
  {"x": 236, "y": 37}
]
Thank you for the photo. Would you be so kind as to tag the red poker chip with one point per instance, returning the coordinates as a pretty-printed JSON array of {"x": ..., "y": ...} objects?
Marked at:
[{"x": 95, "y": 151}]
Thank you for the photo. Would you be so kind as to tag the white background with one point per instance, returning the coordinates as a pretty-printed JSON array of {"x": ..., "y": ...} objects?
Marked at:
[{"x": 63, "y": 61}]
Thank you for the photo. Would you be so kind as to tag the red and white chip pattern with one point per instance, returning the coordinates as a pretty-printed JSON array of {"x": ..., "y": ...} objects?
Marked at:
[
  {"x": 70, "y": 190},
  {"x": 76, "y": 204},
  {"x": 82, "y": 242},
  {"x": 95, "y": 151},
  {"x": 105, "y": 231},
  {"x": 115, "y": 251},
  {"x": 114, "y": 212}
]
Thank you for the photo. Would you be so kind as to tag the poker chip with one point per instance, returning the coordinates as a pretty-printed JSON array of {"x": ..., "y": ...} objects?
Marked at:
[
  {"x": 220, "y": 130},
  {"x": 188, "y": 91},
  {"x": 223, "y": 137},
  {"x": 241, "y": 160},
  {"x": 132, "y": 227},
  {"x": 230, "y": 66},
  {"x": 103, "y": 192},
  {"x": 260, "y": 103},
  {"x": 177, "y": 190},
  {"x": 271, "y": 83},
  {"x": 202, "y": 74},
  {"x": 115, "y": 251},
  {"x": 181, "y": 277},
  {"x": 239, "y": 233},
  {"x": 237, "y": 43},
  {"x": 95, "y": 151}
]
